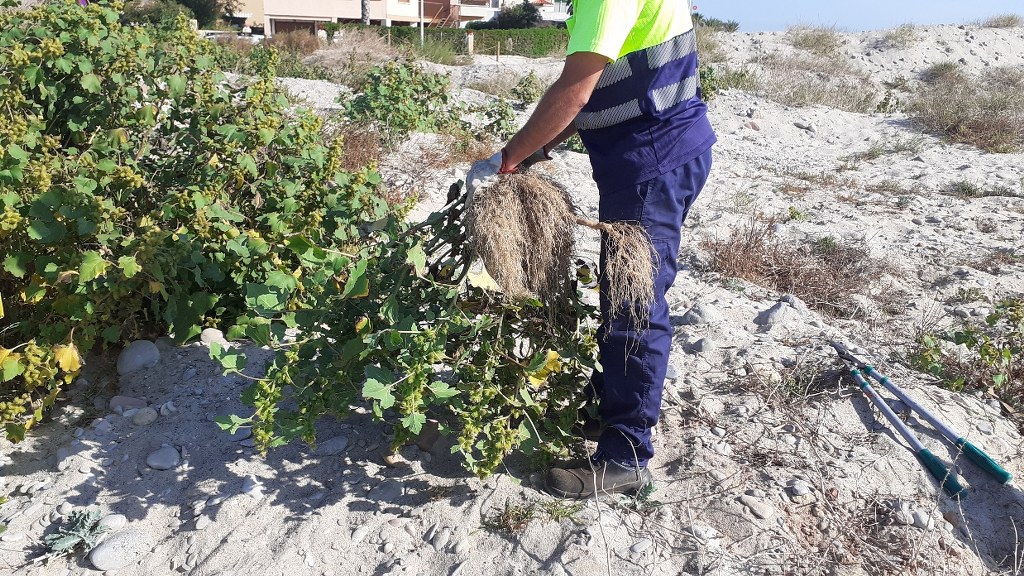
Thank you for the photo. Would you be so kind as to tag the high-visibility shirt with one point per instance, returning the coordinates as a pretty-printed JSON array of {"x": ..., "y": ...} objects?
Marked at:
[{"x": 646, "y": 116}]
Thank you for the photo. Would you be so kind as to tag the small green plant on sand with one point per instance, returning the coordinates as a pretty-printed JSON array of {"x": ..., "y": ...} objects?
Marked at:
[
  {"x": 80, "y": 530},
  {"x": 511, "y": 519},
  {"x": 528, "y": 90}
]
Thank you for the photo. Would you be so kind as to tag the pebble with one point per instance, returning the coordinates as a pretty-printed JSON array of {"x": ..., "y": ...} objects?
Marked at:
[
  {"x": 923, "y": 520},
  {"x": 985, "y": 428},
  {"x": 640, "y": 546},
  {"x": 138, "y": 355},
  {"x": 795, "y": 302},
  {"x": 145, "y": 416},
  {"x": 241, "y": 434},
  {"x": 165, "y": 458},
  {"x": 211, "y": 335},
  {"x": 103, "y": 427},
  {"x": 800, "y": 488},
  {"x": 672, "y": 373},
  {"x": 760, "y": 509},
  {"x": 332, "y": 447},
  {"x": 442, "y": 538},
  {"x": 113, "y": 522},
  {"x": 703, "y": 346},
  {"x": 65, "y": 508},
  {"x": 120, "y": 550},
  {"x": 167, "y": 408},
  {"x": 360, "y": 533},
  {"x": 387, "y": 491},
  {"x": 704, "y": 533},
  {"x": 202, "y": 522},
  {"x": 252, "y": 487},
  {"x": 122, "y": 403},
  {"x": 718, "y": 432},
  {"x": 773, "y": 315},
  {"x": 700, "y": 314}
]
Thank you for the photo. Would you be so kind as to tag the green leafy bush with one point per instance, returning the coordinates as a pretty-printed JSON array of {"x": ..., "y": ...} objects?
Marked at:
[
  {"x": 155, "y": 12},
  {"x": 513, "y": 372},
  {"x": 531, "y": 42},
  {"x": 528, "y": 90},
  {"x": 708, "y": 83},
  {"x": 990, "y": 359},
  {"x": 141, "y": 193}
]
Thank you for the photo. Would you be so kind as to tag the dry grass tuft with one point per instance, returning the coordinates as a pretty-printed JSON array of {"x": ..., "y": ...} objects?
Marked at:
[
  {"x": 825, "y": 273},
  {"x": 815, "y": 39},
  {"x": 986, "y": 110},
  {"x": 353, "y": 55},
  {"x": 900, "y": 37},
  {"x": 295, "y": 42},
  {"x": 807, "y": 80},
  {"x": 709, "y": 50},
  {"x": 522, "y": 227},
  {"x": 1003, "y": 21}
]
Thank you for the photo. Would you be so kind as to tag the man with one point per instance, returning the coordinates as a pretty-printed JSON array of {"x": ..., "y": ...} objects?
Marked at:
[{"x": 630, "y": 89}]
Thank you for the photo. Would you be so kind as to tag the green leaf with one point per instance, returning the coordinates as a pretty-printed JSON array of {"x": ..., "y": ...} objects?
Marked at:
[
  {"x": 229, "y": 358},
  {"x": 15, "y": 432},
  {"x": 176, "y": 84},
  {"x": 91, "y": 83},
  {"x": 231, "y": 423},
  {"x": 17, "y": 264},
  {"x": 414, "y": 422},
  {"x": 11, "y": 369},
  {"x": 417, "y": 258},
  {"x": 357, "y": 285},
  {"x": 441, "y": 390},
  {"x": 248, "y": 163},
  {"x": 128, "y": 265},
  {"x": 378, "y": 386},
  {"x": 18, "y": 153},
  {"x": 93, "y": 266}
]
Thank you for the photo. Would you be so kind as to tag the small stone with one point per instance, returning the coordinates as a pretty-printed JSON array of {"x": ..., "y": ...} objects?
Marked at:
[
  {"x": 795, "y": 302},
  {"x": 138, "y": 355},
  {"x": 12, "y": 537},
  {"x": 332, "y": 447},
  {"x": 122, "y": 403},
  {"x": 120, "y": 550},
  {"x": 428, "y": 436},
  {"x": 923, "y": 520},
  {"x": 640, "y": 546},
  {"x": 165, "y": 458},
  {"x": 718, "y": 432},
  {"x": 394, "y": 460},
  {"x": 672, "y": 373},
  {"x": 800, "y": 488},
  {"x": 241, "y": 434},
  {"x": 252, "y": 487},
  {"x": 202, "y": 522},
  {"x": 145, "y": 416},
  {"x": 359, "y": 534},
  {"x": 760, "y": 509},
  {"x": 65, "y": 508},
  {"x": 211, "y": 335},
  {"x": 700, "y": 314},
  {"x": 167, "y": 408},
  {"x": 442, "y": 538},
  {"x": 773, "y": 315},
  {"x": 389, "y": 548},
  {"x": 703, "y": 346},
  {"x": 985, "y": 428},
  {"x": 113, "y": 522}
]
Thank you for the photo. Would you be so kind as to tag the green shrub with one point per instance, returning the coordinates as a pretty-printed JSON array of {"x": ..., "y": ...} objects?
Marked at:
[
  {"x": 575, "y": 144},
  {"x": 993, "y": 361},
  {"x": 528, "y": 90},
  {"x": 140, "y": 193},
  {"x": 532, "y": 42},
  {"x": 735, "y": 79},
  {"x": 708, "y": 83},
  {"x": 437, "y": 52},
  {"x": 155, "y": 12},
  {"x": 522, "y": 15}
]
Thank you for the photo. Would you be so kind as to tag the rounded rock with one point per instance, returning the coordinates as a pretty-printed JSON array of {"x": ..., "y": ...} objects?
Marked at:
[
  {"x": 164, "y": 458},
  {"x": 641, "y": 546},
  {"x": 113, "y": 522},
  {"x": 145, "y": 416},
  {"x": 120, "y": 550},
  {"x": 138, "y": 355}
]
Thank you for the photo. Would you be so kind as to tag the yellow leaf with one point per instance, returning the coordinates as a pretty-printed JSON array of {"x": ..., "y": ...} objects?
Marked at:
[
  {"x": 1, "y": 305},
  {"x": 537, "y": 382},
  {"x": 483, "y": 280},
  {"x": 67, "y": 357},
  {"x": 66, "y": 276},
  {"x": 4, "y": 353},
  {"x": 155, "y": 287}
]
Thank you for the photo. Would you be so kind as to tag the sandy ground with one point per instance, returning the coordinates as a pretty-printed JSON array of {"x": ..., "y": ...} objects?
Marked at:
[{"x": 751, "y": 477}]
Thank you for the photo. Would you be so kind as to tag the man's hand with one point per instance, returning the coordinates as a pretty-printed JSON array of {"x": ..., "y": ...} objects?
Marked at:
[{"x": 483, "y": 173}]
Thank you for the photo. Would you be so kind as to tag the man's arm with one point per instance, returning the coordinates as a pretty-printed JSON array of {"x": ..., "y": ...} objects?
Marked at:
[{"x": 551, "y": 122}]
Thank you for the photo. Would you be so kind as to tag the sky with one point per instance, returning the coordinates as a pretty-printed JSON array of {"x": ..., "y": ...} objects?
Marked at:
[{"x": 852, "y": 15}]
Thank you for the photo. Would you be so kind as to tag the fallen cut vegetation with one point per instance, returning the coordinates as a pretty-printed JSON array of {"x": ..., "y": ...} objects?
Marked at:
[
  {"x": 984, "y": 110},
  {"x": 809, "y": 79},
  {"x": 824, "y": 273}
]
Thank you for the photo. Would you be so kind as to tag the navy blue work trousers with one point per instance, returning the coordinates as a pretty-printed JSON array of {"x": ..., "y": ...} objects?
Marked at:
[{"x": 635, "y": 358}]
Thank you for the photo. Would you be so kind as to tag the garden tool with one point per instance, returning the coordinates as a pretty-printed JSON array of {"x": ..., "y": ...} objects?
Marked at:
[{"x": 927, "y": 459}]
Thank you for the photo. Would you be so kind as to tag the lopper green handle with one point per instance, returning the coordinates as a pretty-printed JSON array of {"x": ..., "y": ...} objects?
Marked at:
[
  {"x": 983, "y": 461},
  {"x": 938, "y": 471}
]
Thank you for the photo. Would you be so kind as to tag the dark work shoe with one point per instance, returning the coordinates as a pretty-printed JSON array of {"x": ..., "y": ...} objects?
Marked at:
[{"x": 603, "y": 477}]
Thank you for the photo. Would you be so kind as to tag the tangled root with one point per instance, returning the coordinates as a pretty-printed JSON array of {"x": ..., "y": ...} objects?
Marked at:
[{"x": 522, "y": 229}]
